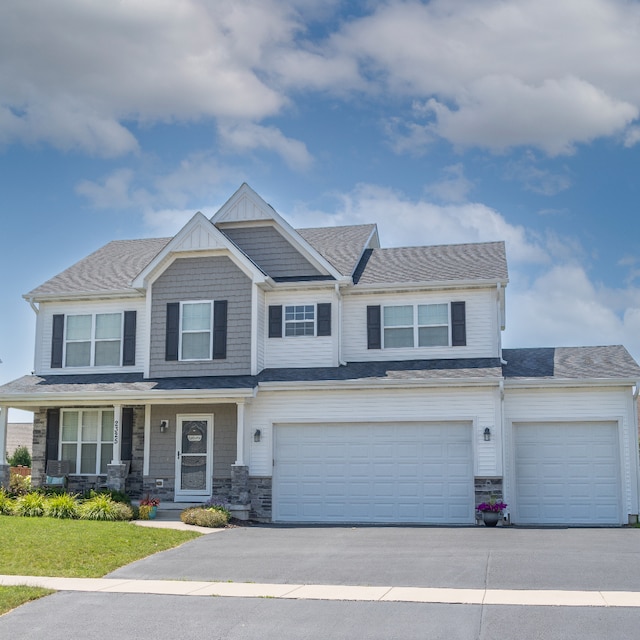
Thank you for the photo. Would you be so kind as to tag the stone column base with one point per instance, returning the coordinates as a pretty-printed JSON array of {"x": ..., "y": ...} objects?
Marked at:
[
  {"x": 5, "y": 475},
  {"x": 116, "y": 476},
  {"x": 240, "y": 502}
]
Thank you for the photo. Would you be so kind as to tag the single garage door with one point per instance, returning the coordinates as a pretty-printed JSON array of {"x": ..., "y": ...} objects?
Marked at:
[
  {"x": 567, "y": 473},
  {"x": 381, "y": 473}
]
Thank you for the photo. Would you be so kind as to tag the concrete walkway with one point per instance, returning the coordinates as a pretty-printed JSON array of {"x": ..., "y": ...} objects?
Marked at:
[{"x": 531, "y": 597}]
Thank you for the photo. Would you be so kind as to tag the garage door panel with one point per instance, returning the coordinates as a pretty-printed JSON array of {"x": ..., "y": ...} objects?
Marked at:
[
  {"x": 567, "y": 473},
  {"x": 375, "y": 473}
]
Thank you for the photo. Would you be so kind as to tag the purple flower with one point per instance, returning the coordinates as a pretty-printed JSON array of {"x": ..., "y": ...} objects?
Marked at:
[{"x": 496, "y": 507}]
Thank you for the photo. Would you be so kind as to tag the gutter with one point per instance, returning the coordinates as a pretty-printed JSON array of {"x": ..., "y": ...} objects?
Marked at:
[
  {"x": 561, "y": 383},
  {"x": 368, "y": 384}
]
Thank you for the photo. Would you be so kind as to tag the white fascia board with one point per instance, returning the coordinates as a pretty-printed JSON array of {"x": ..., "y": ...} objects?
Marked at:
[
  {"x": 341, "y": 385},
  {"x": 563, "y": 383},
  {"x": 304, "y": 285},
  {"x": 386, "y": 287},
  {"x": 218, "y": 244},
  {"x": 88, "y": 295},
  {"x": 192, "y": 396}
]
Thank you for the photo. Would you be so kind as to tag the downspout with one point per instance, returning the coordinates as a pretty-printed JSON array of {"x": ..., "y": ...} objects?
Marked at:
[
  {"x": 339, "y": 296},
  {"x": 637, "y": 451},
  {"x": 36, "y": 351}
]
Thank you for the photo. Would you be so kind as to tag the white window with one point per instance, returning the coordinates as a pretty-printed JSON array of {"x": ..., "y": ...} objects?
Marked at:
[
  {"x": 299, "y": 320},
  {"x": 424, "y": 325},
  {"x": 86, "y": 440},
  {"x": 93, "y": 340},
  {"x": 196, "y": 330}
]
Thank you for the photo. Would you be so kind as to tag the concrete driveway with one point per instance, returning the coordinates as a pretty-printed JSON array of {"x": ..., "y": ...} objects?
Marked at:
[{"x": 475, "y": 558}]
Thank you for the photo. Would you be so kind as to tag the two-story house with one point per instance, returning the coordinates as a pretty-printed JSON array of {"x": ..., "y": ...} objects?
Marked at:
[{"x": 310, "y": 375}]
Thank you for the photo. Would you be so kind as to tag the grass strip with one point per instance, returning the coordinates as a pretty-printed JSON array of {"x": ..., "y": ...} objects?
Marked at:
[
  {"x": 78, "y": 548},
  {"x": 12, "y": 597}
]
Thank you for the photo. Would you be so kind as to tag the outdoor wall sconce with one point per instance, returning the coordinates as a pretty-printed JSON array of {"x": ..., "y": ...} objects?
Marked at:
[
  {"x": 257, "y": 435},
  {"x": 487, "y": 434},
  {"x": 164, "y": 425}
]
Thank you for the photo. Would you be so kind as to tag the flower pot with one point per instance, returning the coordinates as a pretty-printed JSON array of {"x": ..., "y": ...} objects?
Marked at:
[
  {"x": 491, "y": 518},
  {"x": 152, "y": 512}
]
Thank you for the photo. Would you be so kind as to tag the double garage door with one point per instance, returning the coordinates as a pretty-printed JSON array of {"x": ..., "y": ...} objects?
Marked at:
[
  {"x": 384, "y": 473},
  {"x": 567, "y": 473}
]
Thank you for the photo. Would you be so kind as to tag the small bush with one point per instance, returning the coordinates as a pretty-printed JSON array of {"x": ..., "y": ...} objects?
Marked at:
[
  {"x": 19, "y": 485},
  {"x": 30, "y": 505},
  {"x": 219, "y": 507},
  {"x": 116, "y": 496},
  {"x": 20, "y": 458},
  {"x": 205, "y": 517},
  {"x": 100, "y": 507},
  {"x": 63, "y": 505},
  {"x": 7, "y": 503},
  {"x": 125, "y": 511}
]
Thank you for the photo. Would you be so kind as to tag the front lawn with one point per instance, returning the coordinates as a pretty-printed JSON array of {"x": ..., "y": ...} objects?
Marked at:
[
  {"x": 72, "y": 549},
  {"x": 77, "y": 548}
]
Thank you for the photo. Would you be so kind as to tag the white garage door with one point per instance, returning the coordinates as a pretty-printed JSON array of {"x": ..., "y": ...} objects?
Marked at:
[
  {"x": 567, "y": 473},
  {"x": 374, "y": 473}
]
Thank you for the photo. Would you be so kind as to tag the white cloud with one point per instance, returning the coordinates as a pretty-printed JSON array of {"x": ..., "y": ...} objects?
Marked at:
[
  {"x": 247, "y": 137},
  {"x": 453, "y": 187}
]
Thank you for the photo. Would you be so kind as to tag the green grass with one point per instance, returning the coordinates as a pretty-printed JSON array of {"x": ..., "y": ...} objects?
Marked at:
[
  {"x": 12, "y": 597},
  {"x": 77, "y": 548}
]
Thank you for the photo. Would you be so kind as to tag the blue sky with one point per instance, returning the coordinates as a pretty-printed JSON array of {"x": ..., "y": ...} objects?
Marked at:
[{"x": 443, "y": 121}]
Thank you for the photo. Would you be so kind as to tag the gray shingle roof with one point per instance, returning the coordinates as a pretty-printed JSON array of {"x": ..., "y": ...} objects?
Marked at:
[
  {"x": 441, "y": 263},
  {"x": 364, "y": 371},
  {"x": 110, "y": 268},
  {"x": 341, "y": 246},
  {"x": 570, "y": 363}
]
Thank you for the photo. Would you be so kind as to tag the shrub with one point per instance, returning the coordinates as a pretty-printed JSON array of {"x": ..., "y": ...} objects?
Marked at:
[
  {"x": 218, "y": 507},
  {"x": 7, "y": 503},
  {"x": 20, "y": 458},
  {"x": 144, "y": 511},
  {"x": 101, "y": 507},
  {"x": 30, "y": 505},
  {"x": 19, "y": 485},
  {"x": 116, "y": 496},
  {"x": 63, "y": 505},
  {"x": 205, "y": 517}
]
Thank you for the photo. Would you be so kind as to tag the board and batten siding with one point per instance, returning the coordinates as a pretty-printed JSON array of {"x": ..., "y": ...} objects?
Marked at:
[
  {"x": 481, "y": 325},
  {"x": 44, "y": 331},
  {"x": 203, "y": 278},
  {"x": 478, "y": 405},
  {"x": 302, "y": 351},
  {"x": 162, "y": 456},
  {"x": 591, "y": 404}
]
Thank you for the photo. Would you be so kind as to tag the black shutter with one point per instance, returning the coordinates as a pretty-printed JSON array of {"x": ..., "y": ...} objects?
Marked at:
[
  {"x": 458, "y": 324},
  {"x": 57, "y": 341},
  {"x": 219, "y": 329},
  {"x": 129, "y": 339},
  {"x": 126, "y": 434},
  {"x": 275, "y": 321},
  {"x": 324, "y": 319},
  {"x": 374, "y": 327},
  {"x": 173, "y": 331},
  {"x": 53, "y": 434}
]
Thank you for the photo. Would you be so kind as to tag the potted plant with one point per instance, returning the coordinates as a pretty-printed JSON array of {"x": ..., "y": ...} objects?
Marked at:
[
  {"x": 491, "y": 511},
  {"x": 148, "y": 508}
]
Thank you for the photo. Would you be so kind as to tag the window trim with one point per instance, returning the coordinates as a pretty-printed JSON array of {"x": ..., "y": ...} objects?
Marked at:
[
  {"x": 182, "y": 331},
  {"x": 92, "y": 340},
  {"x": 79, "y": 442},
  {"x": 415, "y": 326}
]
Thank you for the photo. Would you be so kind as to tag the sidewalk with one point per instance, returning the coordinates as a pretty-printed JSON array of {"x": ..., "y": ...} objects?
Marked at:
[{"x": 552, "y": 598}]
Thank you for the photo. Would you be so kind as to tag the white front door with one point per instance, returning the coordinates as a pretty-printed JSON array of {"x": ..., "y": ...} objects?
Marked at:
[{"x": 194, "y": 454}]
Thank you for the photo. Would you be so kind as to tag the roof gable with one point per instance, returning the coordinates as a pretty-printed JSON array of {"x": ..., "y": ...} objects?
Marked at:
[{"x": 198, "y": 235}]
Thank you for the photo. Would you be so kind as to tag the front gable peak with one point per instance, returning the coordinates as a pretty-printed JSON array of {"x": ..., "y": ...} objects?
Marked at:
[{"x": 245, "y": 205}]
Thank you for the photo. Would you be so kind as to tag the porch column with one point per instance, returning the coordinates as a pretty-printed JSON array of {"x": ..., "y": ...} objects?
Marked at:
[
  {"x": 240, "y": 434},
  {"x": 4, "y": 465},
  {"x": 117, "y": 431},
  {"x": 116, "y": 471}
]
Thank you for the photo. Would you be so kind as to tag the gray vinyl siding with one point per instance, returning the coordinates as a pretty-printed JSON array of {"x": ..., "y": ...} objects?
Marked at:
[
  {"x": 207, "y": 278},
  {"x": 271, "y": 252},
  {"x": 162, "y": 461}
]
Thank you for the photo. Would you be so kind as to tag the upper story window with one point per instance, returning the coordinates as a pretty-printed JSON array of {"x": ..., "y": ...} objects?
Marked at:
[
  {"x": 86, "y": 440},
  {"x": 416, "y": 325},
  {"x": 196, "y": 330},
  {"x": 94, "y": 340},
  {"x": 300, "y": 320},
  {"x": 424, "y": 325}
]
